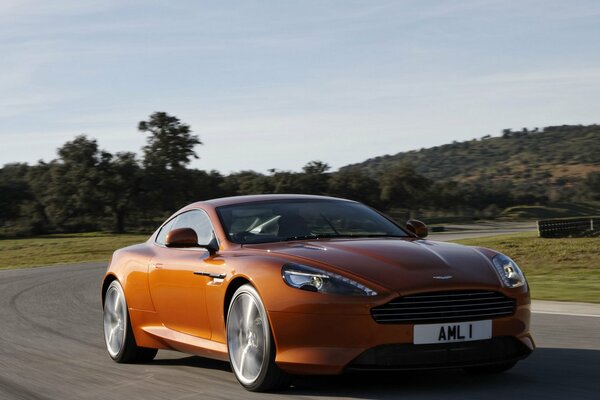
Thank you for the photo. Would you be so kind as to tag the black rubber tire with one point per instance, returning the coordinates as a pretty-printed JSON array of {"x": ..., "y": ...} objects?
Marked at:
[
  {"x": 130, "y": 352},
  {"x": 490, "y": 369},
  {"x": 271, "y": 377}
]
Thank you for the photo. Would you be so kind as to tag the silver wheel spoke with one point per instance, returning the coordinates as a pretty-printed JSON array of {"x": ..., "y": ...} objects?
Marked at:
[
  {"x": 246, "y": 338},
  {"x": 113, "y": 314},
  {"x": 249, "y": 313},
  {"x": 253, "y": 360},
  {"x": 115, "y": 304},
  {"x": 243, "y": 358},
  {"x": 110, "y": 337},
  {"x": 115, "y": 319}
]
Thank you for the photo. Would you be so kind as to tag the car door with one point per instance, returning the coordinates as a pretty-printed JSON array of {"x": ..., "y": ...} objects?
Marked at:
[{"x": 178, "y": 277}]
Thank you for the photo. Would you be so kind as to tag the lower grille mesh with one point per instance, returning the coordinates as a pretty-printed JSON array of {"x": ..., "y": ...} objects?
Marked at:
[
  {"x": 450, "y": 306},
  {"x": 407, "y": 356}
]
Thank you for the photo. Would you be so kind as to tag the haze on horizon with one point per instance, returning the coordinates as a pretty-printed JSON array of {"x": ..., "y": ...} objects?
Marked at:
[{"x": 275, "y": 84}]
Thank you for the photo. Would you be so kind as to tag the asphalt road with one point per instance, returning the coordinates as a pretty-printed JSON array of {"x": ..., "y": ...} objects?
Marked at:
[
  {"x": 479, "y": 232},
  {"x": 51, "y": 347}
]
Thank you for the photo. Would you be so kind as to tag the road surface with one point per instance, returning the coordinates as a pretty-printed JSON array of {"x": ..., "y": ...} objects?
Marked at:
[
  {"x": 51, "y": 347},
  {"x": 468, "y": 231}
]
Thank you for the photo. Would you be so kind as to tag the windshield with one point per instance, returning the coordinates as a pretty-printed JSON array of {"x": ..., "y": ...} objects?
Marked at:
[{"x": 281, "y": 220}]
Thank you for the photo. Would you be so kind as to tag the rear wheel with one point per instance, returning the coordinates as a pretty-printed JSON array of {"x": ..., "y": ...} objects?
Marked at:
[
  {"x": 250, "y": 343},
  {"x": 118, "y": 334},
  {"x": 491, "y": 369}
]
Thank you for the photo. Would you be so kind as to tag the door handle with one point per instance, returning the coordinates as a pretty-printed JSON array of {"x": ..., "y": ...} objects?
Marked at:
[
  {"x": 156, "y": 265},
  {"x": 210, "y": 275}
]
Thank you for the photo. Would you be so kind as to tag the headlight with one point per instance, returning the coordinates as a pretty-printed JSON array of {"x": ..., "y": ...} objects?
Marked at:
[
  {"x": 509, "y": 271},
  {"x": 317, "y": 280}
]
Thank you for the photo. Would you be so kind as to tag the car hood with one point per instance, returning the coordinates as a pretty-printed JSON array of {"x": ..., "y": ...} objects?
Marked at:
[{"x": 403, "y": 265}]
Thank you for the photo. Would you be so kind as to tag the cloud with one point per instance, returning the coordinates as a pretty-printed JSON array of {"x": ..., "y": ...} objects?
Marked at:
[{"x": 277, "y": 84}]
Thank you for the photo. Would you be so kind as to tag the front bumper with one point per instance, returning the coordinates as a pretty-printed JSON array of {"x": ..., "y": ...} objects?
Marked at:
[
  {"x": 446, "y": 355},
  {"x": 332, "y": 343}
]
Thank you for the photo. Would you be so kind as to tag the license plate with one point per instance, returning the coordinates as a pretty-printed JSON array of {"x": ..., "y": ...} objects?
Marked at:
[{"x": 452, "y": 332}]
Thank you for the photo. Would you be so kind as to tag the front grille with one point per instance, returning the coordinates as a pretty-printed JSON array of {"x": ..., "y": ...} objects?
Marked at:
[{"x": 450, "y": 306}]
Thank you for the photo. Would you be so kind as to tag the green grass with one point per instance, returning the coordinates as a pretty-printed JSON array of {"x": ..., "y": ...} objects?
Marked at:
[
  {"x": 63, "y": 249},
  {"x": 557, "y": 269}
]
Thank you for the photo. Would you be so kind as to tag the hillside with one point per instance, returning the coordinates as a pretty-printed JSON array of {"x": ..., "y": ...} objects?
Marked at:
[
  {"x": 554, "y": 156},
  {"x": 549, "y": 173}
]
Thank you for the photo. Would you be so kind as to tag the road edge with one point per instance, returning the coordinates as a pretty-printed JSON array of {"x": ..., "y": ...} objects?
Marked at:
[{"x": 565, "y": 308}]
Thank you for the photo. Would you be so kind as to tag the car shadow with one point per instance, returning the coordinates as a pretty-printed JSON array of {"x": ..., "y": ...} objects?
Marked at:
[
  {"x": 549, "y": 373},
  {"x": 193, "y": 361}
]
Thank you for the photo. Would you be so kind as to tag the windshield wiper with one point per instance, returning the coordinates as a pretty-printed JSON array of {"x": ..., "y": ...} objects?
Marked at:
[
  {"x": 376, "y": 235},
  {"x": 335, "y": 235},
  {"x": 314, "y": 236}
]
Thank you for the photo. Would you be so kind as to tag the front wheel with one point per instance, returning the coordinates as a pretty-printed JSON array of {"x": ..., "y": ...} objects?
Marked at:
[
  {"x": 118, "y": 335},
  {"x": 250, "y": 343}
]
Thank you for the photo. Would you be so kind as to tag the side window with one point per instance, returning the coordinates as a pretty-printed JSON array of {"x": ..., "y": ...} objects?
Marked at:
[
  {"x": 198, "y": 221},
  {"x": 162, "y": 235}
]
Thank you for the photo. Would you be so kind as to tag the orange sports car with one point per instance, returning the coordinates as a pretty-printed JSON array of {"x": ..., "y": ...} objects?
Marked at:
[{"x": 290, "y": 284}]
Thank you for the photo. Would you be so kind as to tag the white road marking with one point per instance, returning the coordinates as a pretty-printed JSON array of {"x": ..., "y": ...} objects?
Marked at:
[{"x": 568, "y": 314}]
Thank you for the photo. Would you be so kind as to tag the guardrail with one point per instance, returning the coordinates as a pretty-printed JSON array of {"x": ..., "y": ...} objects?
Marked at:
[{"x": 569, "y": 227}]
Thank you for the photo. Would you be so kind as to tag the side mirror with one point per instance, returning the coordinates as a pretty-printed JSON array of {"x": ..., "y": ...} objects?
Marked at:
[
  {"x": 182, "y": 237},
  {"x": 417, "y": 228},
  {"x": 187, "y": 237}
]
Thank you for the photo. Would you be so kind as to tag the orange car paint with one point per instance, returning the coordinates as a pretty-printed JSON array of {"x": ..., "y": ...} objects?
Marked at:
[{"x": 172, "y": 308}]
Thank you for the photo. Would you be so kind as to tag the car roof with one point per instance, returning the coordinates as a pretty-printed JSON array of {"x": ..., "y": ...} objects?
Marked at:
[{"x": 226, "y": 201}]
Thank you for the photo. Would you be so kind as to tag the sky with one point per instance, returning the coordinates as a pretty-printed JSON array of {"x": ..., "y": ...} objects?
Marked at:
[{"x": 276, "y": 84}]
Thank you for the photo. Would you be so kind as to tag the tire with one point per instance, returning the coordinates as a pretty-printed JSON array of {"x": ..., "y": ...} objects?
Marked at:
[
  {"x": 490, "y": 369},
  {"x": 250, "y": 343},
  {"x": 118, "y": 334}
]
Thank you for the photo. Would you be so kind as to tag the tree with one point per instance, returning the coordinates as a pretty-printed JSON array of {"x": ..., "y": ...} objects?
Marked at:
[
  {"x": 170, "y": 144},
  {"x": 285, "y": 182},
  {"x": 165, "y": 185},
  {"x": 316, "y": 168},
  {"x": 81, "y": 151},
  {"x": 36, "y": 209},
  {"x": 69, "y": 186},
  {"x": 401, "y": 186},
  {"x": 591, "y": 186},
  {"x": 14, "y": 191},
  {"x": 86, "y": 187},
  {"x": 246, "y": 182},
  {"x": 119, "y": 186},
  {"x": 354, "y": 185},
  {"x": 315, "y": 179}
]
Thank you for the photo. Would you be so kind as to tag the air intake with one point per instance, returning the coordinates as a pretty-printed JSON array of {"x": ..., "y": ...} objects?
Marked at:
[{"x": 450, "y": 306}]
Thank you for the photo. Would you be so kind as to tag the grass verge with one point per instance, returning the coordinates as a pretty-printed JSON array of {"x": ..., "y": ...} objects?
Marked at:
[
  {"x": 565, "y": 269},
  {"x": 63, "y": 249}
]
